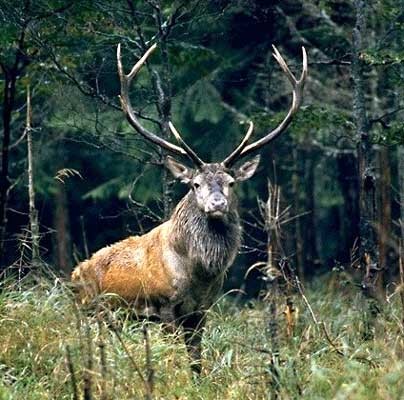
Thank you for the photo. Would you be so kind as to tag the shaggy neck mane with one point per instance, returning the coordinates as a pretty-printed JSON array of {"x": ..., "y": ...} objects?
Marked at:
[{"x": 210, "y": 243}]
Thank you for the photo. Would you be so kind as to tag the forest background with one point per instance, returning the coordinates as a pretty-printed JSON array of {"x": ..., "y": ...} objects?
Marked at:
[
  {"x": 323, "y": 218},
  {"x": 95, "y": 181}
]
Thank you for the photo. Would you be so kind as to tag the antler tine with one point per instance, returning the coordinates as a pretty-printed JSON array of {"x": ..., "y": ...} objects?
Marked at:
[
  {"x": 131, "y": 116},
  {"x": 298, "y": 86},
  {"x": 233, "y": 156},
  {"x": 189, "y": 151}
]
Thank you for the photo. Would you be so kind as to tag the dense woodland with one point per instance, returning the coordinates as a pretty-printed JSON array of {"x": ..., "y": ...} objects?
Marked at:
[
  {"x": 95, "y": 181},
  {"x": 327, "y": 200}
]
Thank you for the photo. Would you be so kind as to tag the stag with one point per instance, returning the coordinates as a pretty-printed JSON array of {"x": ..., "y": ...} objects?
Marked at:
[{"x": 175, "y": 271}]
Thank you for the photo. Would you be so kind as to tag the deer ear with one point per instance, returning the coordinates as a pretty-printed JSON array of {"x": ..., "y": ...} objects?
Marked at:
[
  {"x": 247, "y": 170},
  {"x": 180, "y": 171}
]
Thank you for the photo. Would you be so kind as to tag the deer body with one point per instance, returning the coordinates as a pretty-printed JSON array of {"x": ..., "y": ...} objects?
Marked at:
[
  {"x": 175, "y": 271},
  {"x": 180, "y": 264}
]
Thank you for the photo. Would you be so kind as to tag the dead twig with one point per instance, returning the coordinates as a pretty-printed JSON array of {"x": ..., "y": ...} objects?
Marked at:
[
  {"x": 149, "y": 366},
  {"x": 70, "y": 367},
  {"x": 87, "y": 390},
  {"x": 103, "y": 362}
]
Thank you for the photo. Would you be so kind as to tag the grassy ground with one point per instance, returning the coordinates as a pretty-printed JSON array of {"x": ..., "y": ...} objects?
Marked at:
[{"x": 40, "y": 330}]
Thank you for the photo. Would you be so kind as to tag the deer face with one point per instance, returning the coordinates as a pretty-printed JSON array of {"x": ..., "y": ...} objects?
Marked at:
[{"x": 213, "y": 183}]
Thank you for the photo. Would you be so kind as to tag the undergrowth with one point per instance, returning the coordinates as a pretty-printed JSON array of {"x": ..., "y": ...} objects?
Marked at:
[{"x": 51, "y": 350}]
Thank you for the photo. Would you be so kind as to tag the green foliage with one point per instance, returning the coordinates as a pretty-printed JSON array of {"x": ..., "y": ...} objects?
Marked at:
[
  {"x": 192, "y": 63},
  {"x": 384, "y": 57},
  {"x": 205, "y": 104},
  {"x": 318, "y": 122},
  {"x": 393, "y": 135},
  {"x": 112, "y": 188}
]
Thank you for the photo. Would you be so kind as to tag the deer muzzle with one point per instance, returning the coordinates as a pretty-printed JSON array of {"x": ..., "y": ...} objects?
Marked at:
[{"x": 216, "y": 205}]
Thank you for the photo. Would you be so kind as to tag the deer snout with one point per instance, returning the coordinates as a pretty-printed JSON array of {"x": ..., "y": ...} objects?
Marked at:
[{"x": 216, "y": 205}]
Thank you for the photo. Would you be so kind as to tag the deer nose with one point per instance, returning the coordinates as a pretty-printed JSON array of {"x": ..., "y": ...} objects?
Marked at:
[{"x": 216, "y": 203}]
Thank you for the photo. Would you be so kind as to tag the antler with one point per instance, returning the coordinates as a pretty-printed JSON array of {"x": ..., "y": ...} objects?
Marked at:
[
  {"x": 298, "y": 85},
  {"x": 126, "y": 80},
  {"x": 236, "y": 153}
]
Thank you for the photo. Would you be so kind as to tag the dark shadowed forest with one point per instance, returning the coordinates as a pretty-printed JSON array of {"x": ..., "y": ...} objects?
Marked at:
[{"x": 313, "y": 305}]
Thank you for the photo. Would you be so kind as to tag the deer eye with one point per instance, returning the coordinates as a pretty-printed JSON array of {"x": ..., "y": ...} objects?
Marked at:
[
  {"x": 196, "y": 185},
  {"x": 231, "y": 184}
]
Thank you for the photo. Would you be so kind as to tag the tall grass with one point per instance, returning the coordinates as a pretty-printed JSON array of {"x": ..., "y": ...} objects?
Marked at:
[{"x": 51, "y": 350}]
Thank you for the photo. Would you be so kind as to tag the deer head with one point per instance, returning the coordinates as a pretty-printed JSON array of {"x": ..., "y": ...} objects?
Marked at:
[{"x": 212, "y": 183}]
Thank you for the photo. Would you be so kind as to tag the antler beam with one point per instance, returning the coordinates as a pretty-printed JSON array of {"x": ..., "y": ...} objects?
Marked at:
[
  {"x": 131, "y": 115},
  {"x": 298, "y": 86}
]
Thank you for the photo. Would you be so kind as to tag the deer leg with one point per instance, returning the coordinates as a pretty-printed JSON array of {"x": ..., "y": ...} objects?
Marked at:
[
  {"x": 168, "y": 319},
  {"x": 193, "y": 326}
]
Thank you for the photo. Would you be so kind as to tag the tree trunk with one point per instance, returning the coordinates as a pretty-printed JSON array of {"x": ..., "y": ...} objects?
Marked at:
[
  {"x": 368, "y": 250},
  {"x": 162, "y": 88},
  {"x": 304, "y": 203},
  {"x": 62, "y": 228},
  {"x": 310, "y": 254},
  {"x": 296, "y": 208},
  {"x": 385, "y": 210},
  {"x": 347, "y": 175},
  {"x": 8, "y": 106},
  {"x": 162, "y": 91},
  {"x": 33, "y": 213},
  {"x": 400, "y": 158}
]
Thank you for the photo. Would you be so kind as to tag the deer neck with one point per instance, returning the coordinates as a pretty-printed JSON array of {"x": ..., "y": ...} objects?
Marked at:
[{"x": 210, "y": 244}]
